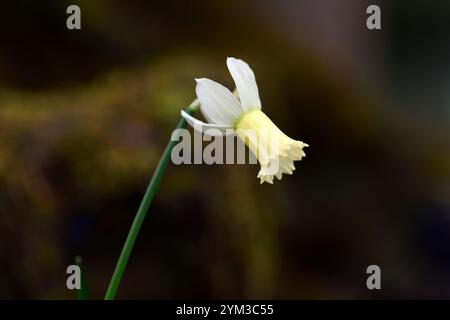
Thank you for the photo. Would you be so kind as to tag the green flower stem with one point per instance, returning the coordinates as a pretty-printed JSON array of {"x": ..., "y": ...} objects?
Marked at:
[{"x": 143, "y": 208}]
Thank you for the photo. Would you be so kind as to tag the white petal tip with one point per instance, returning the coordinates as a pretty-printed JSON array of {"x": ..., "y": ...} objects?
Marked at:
[
  {"x": 244, "y": 79},
  {"x": 235, "y": 60}
]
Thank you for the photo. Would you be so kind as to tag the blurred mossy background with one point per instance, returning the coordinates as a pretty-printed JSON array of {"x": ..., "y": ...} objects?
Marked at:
[{"x": 85, "y": 115}]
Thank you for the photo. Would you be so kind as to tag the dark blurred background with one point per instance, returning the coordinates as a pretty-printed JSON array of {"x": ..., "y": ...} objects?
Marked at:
[{"x": 85, "y": 115}]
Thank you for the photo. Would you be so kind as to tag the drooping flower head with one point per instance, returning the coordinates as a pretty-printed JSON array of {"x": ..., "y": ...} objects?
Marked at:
[{"x": 275, "y": 151}]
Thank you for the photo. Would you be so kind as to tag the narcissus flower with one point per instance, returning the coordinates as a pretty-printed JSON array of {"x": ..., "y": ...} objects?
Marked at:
[{"x": 242, "y": 115}]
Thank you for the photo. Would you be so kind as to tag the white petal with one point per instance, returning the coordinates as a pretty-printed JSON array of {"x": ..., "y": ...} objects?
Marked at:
[
  {"x": 200, "y": 126},
  {"x": 245, "y": 83},
  {"x": 217, "y": 103}
]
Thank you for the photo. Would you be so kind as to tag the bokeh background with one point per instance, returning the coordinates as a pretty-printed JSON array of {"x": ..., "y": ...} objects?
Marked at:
[{"x": 85, "y": 115}]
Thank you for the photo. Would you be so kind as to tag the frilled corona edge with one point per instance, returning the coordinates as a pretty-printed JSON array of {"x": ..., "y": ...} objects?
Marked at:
[{"x": 275, "y": 151}]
